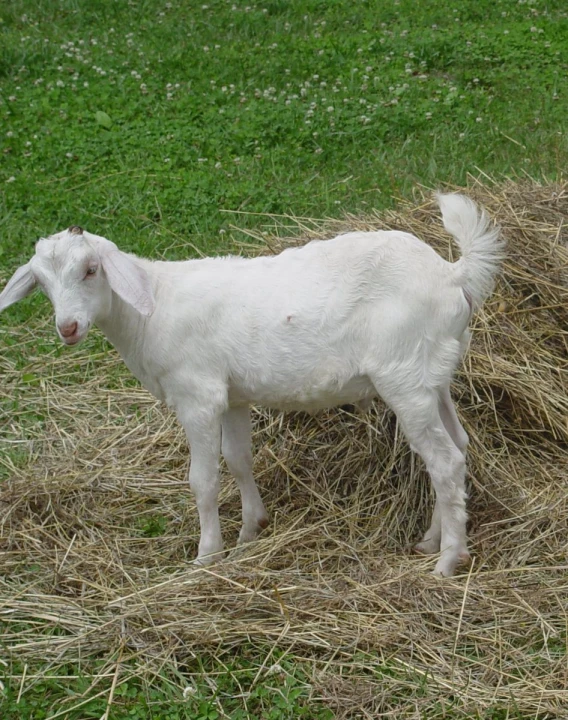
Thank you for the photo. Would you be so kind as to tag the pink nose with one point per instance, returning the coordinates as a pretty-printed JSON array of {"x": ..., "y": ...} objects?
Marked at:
[{"x": 68, "y": 329}]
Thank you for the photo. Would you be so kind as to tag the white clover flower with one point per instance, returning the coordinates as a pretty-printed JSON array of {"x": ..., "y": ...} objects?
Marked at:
[
  {"x": 274, "y": 669},
  {"x": 188, "y": 692}
]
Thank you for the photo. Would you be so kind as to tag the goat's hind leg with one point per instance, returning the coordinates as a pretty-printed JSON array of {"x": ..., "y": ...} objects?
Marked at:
[
  {"x": 236, "y": 449},
  {"x": 419, "y": 415},
  {"x": 451, "y": 420},
  {"x": 430, "y": 543}
]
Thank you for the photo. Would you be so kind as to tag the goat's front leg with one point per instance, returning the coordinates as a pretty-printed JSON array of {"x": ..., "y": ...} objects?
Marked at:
[
  {"x": 204, "y": 437},
  {"x": 236, "y": 448}
]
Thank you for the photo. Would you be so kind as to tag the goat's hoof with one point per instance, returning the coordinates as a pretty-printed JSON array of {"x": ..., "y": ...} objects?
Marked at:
[
  {"x": 252, "y": 531},
  {"x": 447, "y": 566},
  {"x": 209, "y": 559},
  {"x": 427, "y": 547}
]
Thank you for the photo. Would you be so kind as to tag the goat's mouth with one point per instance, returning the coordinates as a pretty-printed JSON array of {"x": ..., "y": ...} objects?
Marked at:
[
  {"x": 73, "y": 339},
  {"x": 73, "y": 333}
]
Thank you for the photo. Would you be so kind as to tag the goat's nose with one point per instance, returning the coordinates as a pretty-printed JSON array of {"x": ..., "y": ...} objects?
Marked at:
[{"x": 68, "y": 329}]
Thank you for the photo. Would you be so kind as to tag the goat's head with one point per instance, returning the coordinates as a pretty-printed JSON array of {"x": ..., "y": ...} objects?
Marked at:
[{"x": 78, "y": 272}]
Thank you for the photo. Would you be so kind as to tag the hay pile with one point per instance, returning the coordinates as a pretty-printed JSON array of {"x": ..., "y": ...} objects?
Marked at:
[{"x": 98, "y": 526}]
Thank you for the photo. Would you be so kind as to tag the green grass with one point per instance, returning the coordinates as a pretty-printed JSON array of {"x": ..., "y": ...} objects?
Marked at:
[
  {"x": 146, "y": 121},
  {"x": 203, "y": 691},
  {"x": 153, "y": 122}
]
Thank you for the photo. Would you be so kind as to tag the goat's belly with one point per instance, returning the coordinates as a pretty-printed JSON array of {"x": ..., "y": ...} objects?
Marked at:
[{"x": 307, "y": 397}]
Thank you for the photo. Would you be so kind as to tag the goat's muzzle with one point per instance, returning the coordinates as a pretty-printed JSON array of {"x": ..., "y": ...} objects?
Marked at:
[{"x": 67, "y": 330}]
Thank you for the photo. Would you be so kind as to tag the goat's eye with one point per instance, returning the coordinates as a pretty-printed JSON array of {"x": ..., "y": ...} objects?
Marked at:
[{"x": 91, "y": 271}]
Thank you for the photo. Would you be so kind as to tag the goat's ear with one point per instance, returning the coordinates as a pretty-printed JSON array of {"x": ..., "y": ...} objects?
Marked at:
[
  {"x": 128, "y": 280},
  {"x": 20, "y": 284}
]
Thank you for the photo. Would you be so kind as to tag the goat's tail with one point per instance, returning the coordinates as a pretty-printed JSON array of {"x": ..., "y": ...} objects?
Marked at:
[{"x": 481, "y": 247}]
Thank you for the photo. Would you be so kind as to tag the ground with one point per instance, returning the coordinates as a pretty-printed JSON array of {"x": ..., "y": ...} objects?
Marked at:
[{"x": 173, "y": 130}]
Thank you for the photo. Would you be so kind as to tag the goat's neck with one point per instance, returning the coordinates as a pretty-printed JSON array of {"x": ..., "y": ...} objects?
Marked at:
[{"x": 126, "y": 329}]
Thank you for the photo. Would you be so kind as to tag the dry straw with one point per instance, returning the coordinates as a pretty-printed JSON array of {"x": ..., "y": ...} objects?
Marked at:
[{"x": 98, "y": 526}]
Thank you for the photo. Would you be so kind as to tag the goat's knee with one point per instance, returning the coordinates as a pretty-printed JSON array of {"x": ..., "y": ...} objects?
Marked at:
[
  {"x": 203, "y": 478},
  {"x": 255, "y": 517},
  {"x": 236, "y": 449},
  {"x": 206, "y": 492},
  {"x": 238, "y": 459}
]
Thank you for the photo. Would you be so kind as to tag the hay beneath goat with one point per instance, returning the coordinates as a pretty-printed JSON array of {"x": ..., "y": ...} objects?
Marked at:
[{"x": 98, "y": 526}]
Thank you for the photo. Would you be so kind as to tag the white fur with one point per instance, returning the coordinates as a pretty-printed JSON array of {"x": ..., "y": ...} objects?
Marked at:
[
  {"x": 336, "y": 321},
  {"x": 479, "y": 244}
]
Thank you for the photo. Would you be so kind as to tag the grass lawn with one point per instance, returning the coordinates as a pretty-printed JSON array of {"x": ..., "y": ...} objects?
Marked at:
[
  {"x": 165, "y": 125},
  {"x": 148, "y": 121}
]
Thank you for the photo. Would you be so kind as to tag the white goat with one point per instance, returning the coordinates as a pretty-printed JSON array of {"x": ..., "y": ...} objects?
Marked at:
[{"x": 333, "y": 322}]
